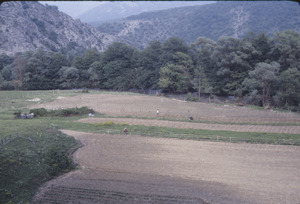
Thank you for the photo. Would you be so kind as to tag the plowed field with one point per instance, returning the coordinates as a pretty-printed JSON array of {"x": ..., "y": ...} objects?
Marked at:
[{"x": 135, "y": 169}]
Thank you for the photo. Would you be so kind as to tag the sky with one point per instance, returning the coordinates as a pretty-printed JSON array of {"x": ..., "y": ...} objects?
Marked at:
[{"x": 74, "y": 8}]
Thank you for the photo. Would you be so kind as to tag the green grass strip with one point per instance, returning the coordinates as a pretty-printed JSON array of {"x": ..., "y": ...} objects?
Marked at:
[{"x": 194, "y": 134}]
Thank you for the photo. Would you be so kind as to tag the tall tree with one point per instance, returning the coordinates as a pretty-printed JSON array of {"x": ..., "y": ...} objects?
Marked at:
[
  {"x": 42, "y": 69},
  {"x": 286, "y": 49},
  {"x": 96, "y": 74},
  {"x": 171, "y": 46},
  {"x": 5, "y": 60},
  {"x": 200, "y": 81},
  {"x": 176, "y": 77},
  {"x": 204, "y": 73},
  {"x": 83, "y": 64},
  {"x": 230, "y": 67},
  {"x": 68, "y": 77},
  {"x": 289, "y": 90},
  {"x": 117, "y": 66},
  {"x": 259, "y": 48},
  {"x": 18, "y": 70},
  {"x": 262, "y": 79},
  {"x": 150, "y": 62}
]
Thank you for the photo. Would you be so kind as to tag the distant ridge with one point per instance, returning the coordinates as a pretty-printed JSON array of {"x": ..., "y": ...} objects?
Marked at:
[{"x": 212, "y": 21}]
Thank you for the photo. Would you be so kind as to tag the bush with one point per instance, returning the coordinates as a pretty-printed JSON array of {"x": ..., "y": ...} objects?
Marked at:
[
  {"x": 85, "y": 90},
  {"x": 63, "y": 112},
  {"x": 73, "y": 111},
  {"x": 17, "y": 114},
  {"x": 39, "y": 112},
  {"x": 58, "y": 162},
  {"x": 191, "y": 97}
]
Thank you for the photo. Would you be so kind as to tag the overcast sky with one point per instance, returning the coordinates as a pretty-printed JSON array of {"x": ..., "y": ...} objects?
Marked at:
[{"x": 74, "y": 8}]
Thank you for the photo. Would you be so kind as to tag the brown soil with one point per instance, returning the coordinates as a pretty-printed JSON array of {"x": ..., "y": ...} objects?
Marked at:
[
  {"x": 146, "y": 106},
  {"x": 135, "y": 169}
]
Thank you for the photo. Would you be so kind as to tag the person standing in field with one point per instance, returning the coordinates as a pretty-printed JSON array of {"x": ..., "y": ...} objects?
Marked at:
[{"x": 157, "y": 112}]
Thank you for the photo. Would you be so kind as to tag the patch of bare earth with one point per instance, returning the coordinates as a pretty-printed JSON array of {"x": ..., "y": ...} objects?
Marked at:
[
  {"x": 135, "y": 169},
  {"x": 146, "y": 106}
]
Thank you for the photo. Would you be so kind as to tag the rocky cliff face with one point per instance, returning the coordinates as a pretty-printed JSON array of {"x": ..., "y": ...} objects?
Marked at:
[{"x": 31, "y": 25}]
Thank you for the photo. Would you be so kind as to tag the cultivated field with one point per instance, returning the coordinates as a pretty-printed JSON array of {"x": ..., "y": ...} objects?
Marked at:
[
  {"x": 136, "y": 169},
  {"x": 146, "y": 106}
]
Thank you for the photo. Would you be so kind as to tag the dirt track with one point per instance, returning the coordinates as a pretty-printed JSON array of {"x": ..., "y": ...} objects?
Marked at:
[{"x": 135, "y": 169}]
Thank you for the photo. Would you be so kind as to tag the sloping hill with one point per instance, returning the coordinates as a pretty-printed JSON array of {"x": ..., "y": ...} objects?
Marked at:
[
  {"x": 211, "y": 21},
  {"x": 109, "y": 11},
  {"x": 30, "y": 25}
]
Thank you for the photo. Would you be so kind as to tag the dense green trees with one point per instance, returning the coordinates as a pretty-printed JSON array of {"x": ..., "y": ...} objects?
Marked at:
[
  {"x": 262, "y": 80},
  {"x": 263, "y": 70},
  {"x": 288, "y": 95},
  {"x": 42, "y": 69}
]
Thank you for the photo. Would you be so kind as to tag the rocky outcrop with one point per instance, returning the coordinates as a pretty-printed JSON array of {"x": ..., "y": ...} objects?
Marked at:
[
  {"x": 239, "y": 21},
  {"x": 31, "y": 25}
]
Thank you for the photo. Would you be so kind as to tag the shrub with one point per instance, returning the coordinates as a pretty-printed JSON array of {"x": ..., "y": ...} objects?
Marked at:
[
  {"x": 17, "y": 114},
  {"x": 39, "y": 112},
  {"x": 58, "y": 162},
  {"x": 85, "y": 90},
  {"x": 63, "y": 112},
  {"x": 191, "y": 97}
]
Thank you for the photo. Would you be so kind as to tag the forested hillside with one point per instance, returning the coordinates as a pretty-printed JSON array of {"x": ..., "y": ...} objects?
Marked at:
[
  {"x": 211, "y": 21},
  {"x": 261, "y": 69}
]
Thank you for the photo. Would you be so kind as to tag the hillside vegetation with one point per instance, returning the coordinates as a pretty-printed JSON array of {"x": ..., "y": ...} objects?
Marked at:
[{"x": 211, "y": 21}]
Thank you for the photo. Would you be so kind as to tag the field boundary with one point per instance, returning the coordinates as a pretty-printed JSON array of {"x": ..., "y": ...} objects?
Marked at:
[{"x": 211, "y": 138}]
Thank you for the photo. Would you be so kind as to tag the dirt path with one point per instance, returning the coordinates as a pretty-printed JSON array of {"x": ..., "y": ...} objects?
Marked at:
[
  {"x": 205, "y": 126},
  {"x": 135, "y": 169}
]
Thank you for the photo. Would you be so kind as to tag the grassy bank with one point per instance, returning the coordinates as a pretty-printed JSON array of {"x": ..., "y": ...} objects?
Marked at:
[
  {"x": 32, "y": 151},
  {"x": 34, "y": 155},
  {"x": 193, "y": 134}
]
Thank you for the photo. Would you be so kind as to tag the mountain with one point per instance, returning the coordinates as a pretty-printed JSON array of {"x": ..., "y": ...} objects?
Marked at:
[
  {"x": 211, "y": 21},
  {"x": 109, "y": 11},
  {"x": 30, "y": 25}
]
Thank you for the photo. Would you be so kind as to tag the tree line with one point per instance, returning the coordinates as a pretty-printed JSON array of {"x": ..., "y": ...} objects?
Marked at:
[{"x": 263, "y": 69}]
